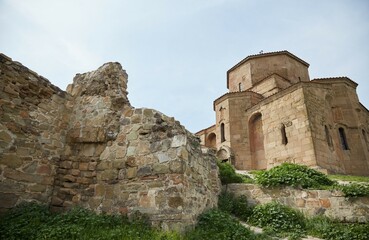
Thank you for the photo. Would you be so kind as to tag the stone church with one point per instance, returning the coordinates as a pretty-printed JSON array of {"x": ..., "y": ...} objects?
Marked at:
[{"x": 274, "y": 113}]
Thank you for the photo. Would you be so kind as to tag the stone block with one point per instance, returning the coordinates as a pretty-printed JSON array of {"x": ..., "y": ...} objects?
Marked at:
[
  {"x": 144, "y": 171},
  {"x": 44, "y": 169},
  {"x": 160, "y": 168},
  {"x": 83, "y": 166},
  {"x": 179, "y": 140},
  {"x": 325, "y": 202},
  {"x": 131, "y": 172},
  {"x": 163, "y": 157},
  {"x": 11, "y": 160},
  {"x": 75, "y": 172},
  {"x": 109, "y": 174}
]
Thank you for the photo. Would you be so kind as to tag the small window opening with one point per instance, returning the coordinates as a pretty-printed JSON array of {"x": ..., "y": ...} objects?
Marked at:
[
  {"x": 240, "y": 87},
  {"x": 222, "y": 136},
  {"x": 343, "y": 139},
  {"x": 284, "y": 135},
  {"x": 328, "y": 137},
  {"x": 299, "y": 79}
]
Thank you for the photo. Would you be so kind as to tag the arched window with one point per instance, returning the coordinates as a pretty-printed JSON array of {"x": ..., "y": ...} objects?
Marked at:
[
  {"x": 284, "y": 135},
  {"x": 211, "y": 140},
  {"x": 343, "y": 139},
  {"x": 328, "y": 136},
  {"x": 222, "y": 135}
]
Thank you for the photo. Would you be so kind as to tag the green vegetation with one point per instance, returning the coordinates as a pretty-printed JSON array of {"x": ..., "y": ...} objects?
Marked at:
[
  {"x": 349, "y": 178},
  {"x": 278, "y": 218},
  {"x": 326, "y": 228},
  {"x": 228, "y": 174},
  {"x": 288, "y": 174},
  {"x": 32, "y": 221},
  {"x": 238, "y": 206},
  {"x": 354, "y": 189},
  {"x": 215, "y": 224}
]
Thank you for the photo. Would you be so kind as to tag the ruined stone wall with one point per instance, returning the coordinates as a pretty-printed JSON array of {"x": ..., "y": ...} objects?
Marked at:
[
  {"x": 89, "y": 147},
  {"x": 32, "y": 134},
  {"x": 311, "y": 202}
]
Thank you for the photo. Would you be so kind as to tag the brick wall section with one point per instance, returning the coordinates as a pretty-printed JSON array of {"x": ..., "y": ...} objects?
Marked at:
[
  {"x": 32, "y": 134},
  {"x": 311, "y": 202}
]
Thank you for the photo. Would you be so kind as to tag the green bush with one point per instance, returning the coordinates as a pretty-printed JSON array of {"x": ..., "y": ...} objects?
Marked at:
[
  {"x": 229, "y": 175},
  {"x": 238, "y": 206},
  {"x": 288, "y": 174},
  {"x": 215, "y": 224},
  {"x": 355, "y": 190},
  {"x": 278, "y": 218},
  {"x": 326, "y": 228}
]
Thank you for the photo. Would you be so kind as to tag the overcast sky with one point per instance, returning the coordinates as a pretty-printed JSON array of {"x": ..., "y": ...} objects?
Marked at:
[{"x": 177, "y": 52}]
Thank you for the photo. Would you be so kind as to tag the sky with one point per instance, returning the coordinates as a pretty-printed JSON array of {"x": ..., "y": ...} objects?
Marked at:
[{"x": 177, "y": 52}]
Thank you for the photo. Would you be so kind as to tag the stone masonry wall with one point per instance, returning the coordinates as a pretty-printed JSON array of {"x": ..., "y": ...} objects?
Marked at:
[
  {"x": 89, "y": 147},
  {"x": 335, "y": 106},
  {"x": 32, "y": 134},
  {"x": 311, "y": 202},
  {"x": 286, "y": 109}
]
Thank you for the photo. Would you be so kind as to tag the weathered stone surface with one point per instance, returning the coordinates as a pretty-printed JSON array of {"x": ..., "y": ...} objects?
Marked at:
[
  {"x": 311, "y": 202},
  {"x": 89, "y": 147}
]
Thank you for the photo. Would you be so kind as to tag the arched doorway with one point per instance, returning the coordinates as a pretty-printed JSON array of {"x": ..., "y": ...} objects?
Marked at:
[
  {"x": 225, "y": 154},
  {"x": 211, "y": 140},
  {"x": 258, "y": 160}
]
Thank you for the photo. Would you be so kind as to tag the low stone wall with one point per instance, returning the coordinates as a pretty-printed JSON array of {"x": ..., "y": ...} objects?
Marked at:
[{"x": 311, "y": 202}]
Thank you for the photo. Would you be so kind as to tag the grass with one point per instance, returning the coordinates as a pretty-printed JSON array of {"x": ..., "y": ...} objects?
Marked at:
[
  {"x": 349, "y": 178},
  {"x": 33, "y": 221}
]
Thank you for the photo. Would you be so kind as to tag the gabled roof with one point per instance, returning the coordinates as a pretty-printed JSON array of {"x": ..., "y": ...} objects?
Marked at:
[{"x": 268, "y": 54}]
